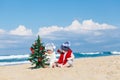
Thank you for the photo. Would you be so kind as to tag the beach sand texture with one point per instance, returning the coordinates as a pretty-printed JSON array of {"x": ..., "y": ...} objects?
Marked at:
[{"x": 99, "y": 68}]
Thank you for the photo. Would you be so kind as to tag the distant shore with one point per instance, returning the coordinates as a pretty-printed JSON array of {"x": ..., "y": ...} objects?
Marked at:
[{"x": 98, "y": 68}]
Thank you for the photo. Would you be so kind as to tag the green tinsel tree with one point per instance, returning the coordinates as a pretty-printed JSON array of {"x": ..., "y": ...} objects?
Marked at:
[{"x": 37, "y": 56}]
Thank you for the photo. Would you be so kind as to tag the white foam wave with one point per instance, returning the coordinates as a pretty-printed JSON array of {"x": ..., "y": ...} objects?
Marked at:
[
  {"x": 90, "y": 53},
  {"x": 13, "y": 63},
  {"x": 115, "y": 52},
  {"x": 14, "y": 56}
]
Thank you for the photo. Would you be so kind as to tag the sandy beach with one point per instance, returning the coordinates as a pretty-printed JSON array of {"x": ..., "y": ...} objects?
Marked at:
[{"x": 99, "y": 68}]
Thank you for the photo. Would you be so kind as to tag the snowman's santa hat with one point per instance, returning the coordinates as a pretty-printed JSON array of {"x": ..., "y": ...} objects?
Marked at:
[{"x": 50, "y": 46}]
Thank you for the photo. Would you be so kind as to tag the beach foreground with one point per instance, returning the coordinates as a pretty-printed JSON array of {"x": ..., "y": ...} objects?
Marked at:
[{"x": 99, "y": 68}]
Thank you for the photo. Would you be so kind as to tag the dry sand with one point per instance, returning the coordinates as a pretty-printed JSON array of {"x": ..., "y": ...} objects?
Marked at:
[{"x": 99, "y": 68}]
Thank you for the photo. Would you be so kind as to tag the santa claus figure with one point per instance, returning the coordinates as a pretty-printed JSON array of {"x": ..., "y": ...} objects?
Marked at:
[{"x": 66, "y": 55}]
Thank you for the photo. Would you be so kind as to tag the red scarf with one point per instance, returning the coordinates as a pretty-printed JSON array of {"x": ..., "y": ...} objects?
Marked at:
[{"x": 68, "y": 55}]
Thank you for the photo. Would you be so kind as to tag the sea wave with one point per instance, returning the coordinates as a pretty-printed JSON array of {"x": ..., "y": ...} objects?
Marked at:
[
  {"x": 89, "y": 53},
  {"x": 14, "y": 56},
  {"x": 13, "y": 63},
  {"x": 21, "y": 59},
  {"x": 115, "y": 52},
  {"x": 105, "y": 52},
  {"x": 92, "y": 53}
]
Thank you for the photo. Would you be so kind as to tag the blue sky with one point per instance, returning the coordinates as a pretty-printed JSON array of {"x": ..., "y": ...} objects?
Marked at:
[{"x": 90, "y": 25}]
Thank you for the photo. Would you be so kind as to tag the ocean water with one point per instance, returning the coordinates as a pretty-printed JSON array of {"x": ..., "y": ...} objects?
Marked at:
[{"x": 22, "y": 59}]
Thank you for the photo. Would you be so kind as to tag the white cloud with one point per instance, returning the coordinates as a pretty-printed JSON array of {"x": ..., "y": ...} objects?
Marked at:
[
  {"x": 9, "y": 41},
  {"x": 48, "y": 30},
  {"x": 90, "y": 25},
  {"x": 86, "y": 27},
  {"x": 4, "y": 43},
  {"x": 86, "y": 35},
  {"x": 22, "y": 31},
  {"x": 2, "y": 31}
]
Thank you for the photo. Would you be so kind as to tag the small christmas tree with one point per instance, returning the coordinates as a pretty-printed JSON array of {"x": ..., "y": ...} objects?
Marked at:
[{"x": 37, "y": 55}]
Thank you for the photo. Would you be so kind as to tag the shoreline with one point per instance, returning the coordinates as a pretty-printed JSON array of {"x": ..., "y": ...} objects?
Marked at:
[
  {"x": 98, "y": 68},
  {"x": 28, "y": 62}
]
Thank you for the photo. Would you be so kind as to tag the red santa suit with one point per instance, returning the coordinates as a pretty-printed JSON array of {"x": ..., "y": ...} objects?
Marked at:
[{"x": 64, "y": 57}]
